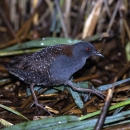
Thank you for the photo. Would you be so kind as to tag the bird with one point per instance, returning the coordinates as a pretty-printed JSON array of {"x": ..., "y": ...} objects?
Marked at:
[{"x": 53, "y": 65}]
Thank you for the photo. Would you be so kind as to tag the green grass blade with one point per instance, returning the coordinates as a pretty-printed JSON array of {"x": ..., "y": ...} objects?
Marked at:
[
  {"x": 13, "y": 111},
  {"x": 118, "y": 105},
  {"x": 43, "y": 123},
  {"x": 40, "y": 43}
]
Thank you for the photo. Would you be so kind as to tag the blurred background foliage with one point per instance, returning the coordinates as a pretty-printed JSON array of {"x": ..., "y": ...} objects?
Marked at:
[{"x": 29, "y": 25}]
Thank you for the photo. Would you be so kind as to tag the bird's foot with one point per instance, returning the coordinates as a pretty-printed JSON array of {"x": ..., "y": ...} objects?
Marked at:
[
  {"x": 41, "y": 106},
  {"x": 98, "y": 93},
  {"x": 94, "y": 91}
]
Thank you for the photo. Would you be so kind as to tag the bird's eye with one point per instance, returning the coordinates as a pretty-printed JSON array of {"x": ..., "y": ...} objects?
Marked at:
[{"x": 87, "y": 49}]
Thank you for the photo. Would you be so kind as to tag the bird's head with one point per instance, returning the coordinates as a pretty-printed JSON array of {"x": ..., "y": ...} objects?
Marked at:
[{"x": 85, "y": 49}]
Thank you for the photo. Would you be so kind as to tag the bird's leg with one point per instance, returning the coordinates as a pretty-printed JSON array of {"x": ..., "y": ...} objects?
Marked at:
[
  {"x": 36, "y": 101},
  {"x": 94, "y": 91}
]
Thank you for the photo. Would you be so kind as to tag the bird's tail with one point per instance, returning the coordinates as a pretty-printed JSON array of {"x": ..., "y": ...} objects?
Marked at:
[{"x": 6, "y": 65}]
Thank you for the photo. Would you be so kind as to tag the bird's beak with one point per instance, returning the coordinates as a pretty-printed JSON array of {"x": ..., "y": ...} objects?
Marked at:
[{"x": 97, "y": 53}]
